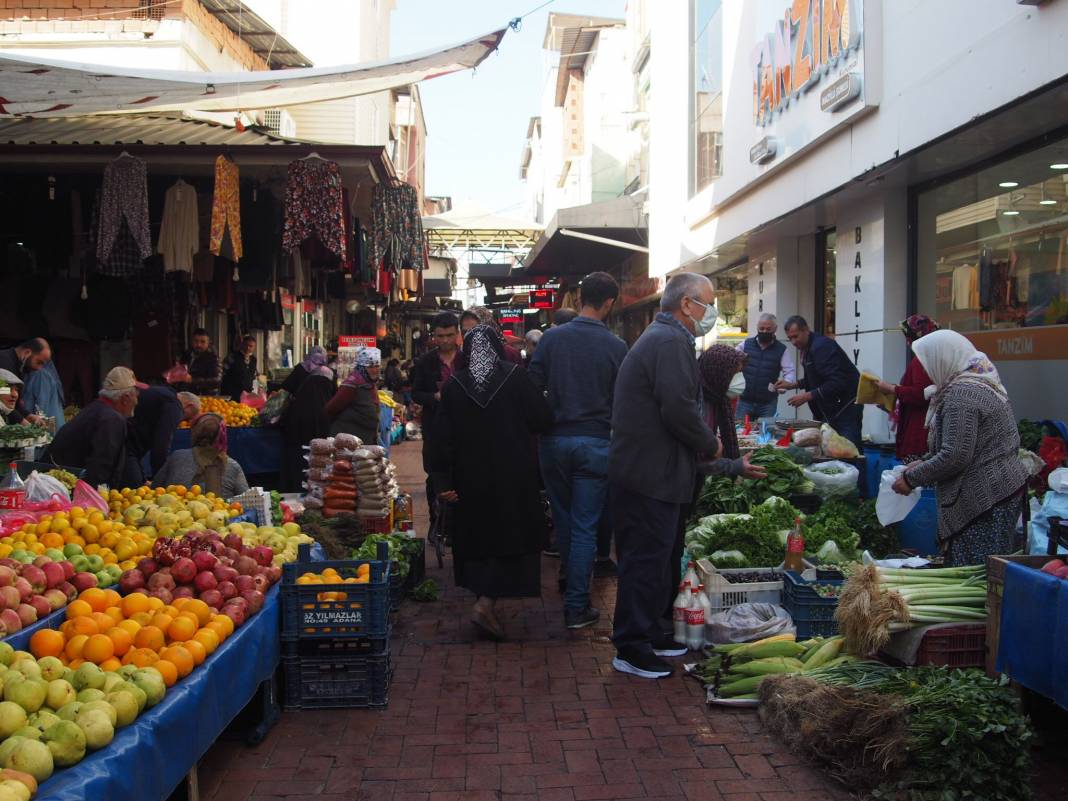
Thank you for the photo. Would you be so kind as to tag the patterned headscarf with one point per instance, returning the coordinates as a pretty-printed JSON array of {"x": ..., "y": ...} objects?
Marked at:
[
  {"x": 484, "y": 316},
  {"x": 208, "y": 438},
  {"x": 316, "y": 358},
  {"x": 918, "y": 325},
  {"x": 718, "y": 365},
  {"x": 485, "y": 369},
  {"x": 366, "y": 358},
  {"x": 950, "y": 358}
]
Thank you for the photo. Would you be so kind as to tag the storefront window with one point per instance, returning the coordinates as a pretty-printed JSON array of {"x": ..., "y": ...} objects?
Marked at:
[
  {"x": 827, "y": 289},
  {"x": 993, "y": 247},
  {"x": 706, "y": 122}
]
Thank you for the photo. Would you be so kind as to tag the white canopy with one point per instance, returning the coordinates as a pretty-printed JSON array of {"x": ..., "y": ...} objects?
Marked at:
[{"x": 36, "y": 87}]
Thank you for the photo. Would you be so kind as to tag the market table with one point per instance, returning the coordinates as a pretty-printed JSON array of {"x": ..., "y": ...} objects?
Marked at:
[
  {"x": 257, "y": 450},
  {"x": 149, "y": 758},
  {"x": 1033, "y": 636}
]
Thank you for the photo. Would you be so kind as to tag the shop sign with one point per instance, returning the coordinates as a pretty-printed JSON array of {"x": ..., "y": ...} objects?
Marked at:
[
  {"x": 511, "y": 316},
  {"x": 840, "y": 93},
  {"x": 1023, "y": 344},
  {"x": 543, "y": 299},
  {"x": 762, "y": 151},
  {"x": 350, "y": 341},
  {"x": 813, "y": 38}
]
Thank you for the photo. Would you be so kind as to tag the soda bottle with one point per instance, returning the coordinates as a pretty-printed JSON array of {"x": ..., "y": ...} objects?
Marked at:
[
  {"x": 706, "y": 604},
  {"x": 695, "y": 623},
  {"x": 678, "y": 612},
  {"x": 795, "y": 548},
  {"x": 691, "y": 574},
  {"x": 12, "y": 490}
]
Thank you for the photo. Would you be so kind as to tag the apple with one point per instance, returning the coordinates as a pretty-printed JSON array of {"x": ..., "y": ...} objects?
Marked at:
[
  {"x": 42, "y": 605},
  {"x": 7, "y": 576},
  {"x": 24, "y": 588},
  {"x": 9, "y": 597},
  {"x": 84, "y": 581}
]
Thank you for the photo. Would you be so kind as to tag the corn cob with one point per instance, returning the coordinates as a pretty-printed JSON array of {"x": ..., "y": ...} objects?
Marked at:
[
  {"x": 828, "y": 651},
  {"x": 760, "y": 651},
  {"x": 740, "y": 687},
  {"x": 761, "y": 667}
]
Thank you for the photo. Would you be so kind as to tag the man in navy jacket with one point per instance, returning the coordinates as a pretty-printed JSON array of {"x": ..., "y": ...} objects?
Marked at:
[{"x": 830, "y": 381}]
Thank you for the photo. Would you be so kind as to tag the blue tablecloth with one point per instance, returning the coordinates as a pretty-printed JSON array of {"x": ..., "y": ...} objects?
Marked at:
[
  {"x": 1033, "y": 639},
  {"x": 257, "y": 450},
  {"x": 20, "y": 640},
  {"x": 148, "y": 759}
]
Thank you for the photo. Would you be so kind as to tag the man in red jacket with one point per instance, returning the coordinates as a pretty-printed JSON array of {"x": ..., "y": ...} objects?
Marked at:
[{"x": 910, "y": 411}]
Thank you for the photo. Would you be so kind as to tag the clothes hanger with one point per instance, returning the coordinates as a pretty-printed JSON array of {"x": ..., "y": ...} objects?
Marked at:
[{"x": 312, "y": 155}]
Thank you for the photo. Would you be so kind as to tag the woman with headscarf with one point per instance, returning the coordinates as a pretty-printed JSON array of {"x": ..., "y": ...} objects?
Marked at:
[
  {"x": 483, "y": 460},
  {"x": 480, "y": 315},
  {"x": 354, "y": 409},
  {"x": 973, "y": 445},
  {"x": 910, "y": 408},
  {"x": 205, "y": 464},
  {"x": 316, "y": 358},
  {"x": 305, "y": 419},
  {"x": 10, "y": 388}
]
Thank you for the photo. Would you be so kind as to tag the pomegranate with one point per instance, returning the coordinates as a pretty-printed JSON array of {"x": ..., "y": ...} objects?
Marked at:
[
  {"x": 227, "y": 590},
  {"x": 184, "y": 591},
  {"x": 234, "y": 541},
  {"x": 263, "y": 555},
  {"x": 184, "y": 570},
  {"x": 245, "y": 565},
  {"x": 131, "y": 581},
  {"x": 148, "y": 566},
  {"x": 274, "y": 574},
  {"x": 244, "y": 583},
  {"x": 204, "y": 561},
  {"x": 162, "y": 593},
  {"x": 205, "y": 580},
  {"x": 255, "y": 599},
  {"x": 260, "y": 582},
  {"x": 224, "y": 573},
  {"x": 212, "y": 598},
  {"x": 161, "y": 580},
  {"x": 238, "y": 614}
]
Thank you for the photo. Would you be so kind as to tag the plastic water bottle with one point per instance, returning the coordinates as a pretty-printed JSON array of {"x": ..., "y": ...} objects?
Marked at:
[
  {"x": 691, "y": 574},
  {"x": 706, "y": 605},
  {"x": 695, "y": 623},
  {"x": 678, "y": 612}
]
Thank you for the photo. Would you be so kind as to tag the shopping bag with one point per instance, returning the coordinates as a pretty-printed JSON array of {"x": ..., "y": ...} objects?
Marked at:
[
  {"x": 40, "y": 487},
  {"x": 255, "y": 400},
  {"x": 179, "y": 374},
  {"x": 832, "y": 479},
  {"x": 88, "y": 498},
  {"x": 889, "y": 506},
  {"x": 1054, "y": 504}
]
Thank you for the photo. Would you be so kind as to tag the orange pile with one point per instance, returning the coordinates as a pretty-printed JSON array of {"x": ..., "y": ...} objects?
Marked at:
[
  {"x": 331, "y": 576},
  {"x": 111, "y": 631}
]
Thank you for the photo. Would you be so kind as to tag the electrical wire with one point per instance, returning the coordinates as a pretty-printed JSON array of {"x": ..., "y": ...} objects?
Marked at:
[{"x": 517, "y": 23}]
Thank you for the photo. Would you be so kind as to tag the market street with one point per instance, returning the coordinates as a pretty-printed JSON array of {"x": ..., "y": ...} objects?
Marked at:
[{"x": 542, "y": 716}]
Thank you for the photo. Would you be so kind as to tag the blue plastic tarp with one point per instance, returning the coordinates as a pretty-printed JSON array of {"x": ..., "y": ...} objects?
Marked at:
[
  {"x": 20, "y": 640},
  {"x": 1033, "y": 638},
  {"x": 148, "y": 759},
  {"x": 257, "y": 450}
]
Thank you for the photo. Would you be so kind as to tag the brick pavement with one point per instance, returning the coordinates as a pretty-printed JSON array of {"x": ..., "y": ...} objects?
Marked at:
[{"x": 541, "y": 717}]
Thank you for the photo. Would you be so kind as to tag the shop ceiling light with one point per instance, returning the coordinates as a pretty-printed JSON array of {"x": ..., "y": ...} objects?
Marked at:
[
  {"x": 1010, "y": 213},
  {"x": 1009, "y": 184},
  {"x": 1060, "y": 165}
]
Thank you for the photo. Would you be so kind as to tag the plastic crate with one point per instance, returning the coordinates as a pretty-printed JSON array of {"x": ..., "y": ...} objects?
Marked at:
[
  {"x": 363, "y": 613},
  {"x": 724, "y": 595},
  {"x": 337, "y": 682},
  {"x": 962, "y": 646},
  {"x": 329, "y": 648},
  {"x": 813, "y": 615},
  {"x": 376, "y": 525}
]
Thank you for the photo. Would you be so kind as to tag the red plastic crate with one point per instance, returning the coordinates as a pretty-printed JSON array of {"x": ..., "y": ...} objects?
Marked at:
[{"x": 962, "y": 646}]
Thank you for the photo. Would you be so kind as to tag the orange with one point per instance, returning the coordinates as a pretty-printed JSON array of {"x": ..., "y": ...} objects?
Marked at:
[
  {"x": 96, "y": 598},
  {"x": 103, "y": 620},
  {"x": 67, "y": 629},
  {"x": 85, "y": 625},
  {"x": 142, "y": 618},
  {"x": 200, "y": 609},
  {"x": 191, "y": 616},
  {"x": 179, "y": 603},
  {"x": 226, "y": 622},
  {"x": 111, "y": 665},
  {"x": 74, "y": 664},
  {"x": 78, "y": 608},
  {"x": 133, "y": 603},
  {"x": 154, "y": 603},
  {"x": 197, "y": 649},
  {"x": 115, "y": 613},
  {"x": 219, "y": 629},
  {"x": 162, "y": 621},
  {"x": 114, "y": 599},
  {"x": 142, "y": 657},
  {"x": 168, "y": 670},
  {"x": 209, "y": 638},
  {"x": 182, "y": 659},
  {"x": 182, "y": 629},
  {"x": 121, "y": 638},
  {"x": 74, "y": 646},
  {"x": 150, "y": 637},
  {"x": 98, "y": 648},
  {"x": 47, "y": 642},
  {"x": 170, "y": 609},
  {"x": 131, "y": 626}
]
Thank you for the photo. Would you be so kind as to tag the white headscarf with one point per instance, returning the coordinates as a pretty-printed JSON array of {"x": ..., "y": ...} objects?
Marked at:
[{"x": 950, "y": 358}]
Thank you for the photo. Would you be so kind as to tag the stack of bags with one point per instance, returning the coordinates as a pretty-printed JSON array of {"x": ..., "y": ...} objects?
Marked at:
[
  {"x": 376, "y": 482},
  {"x": 340, "y": 497},
  {"x": 320, "y": 459}
]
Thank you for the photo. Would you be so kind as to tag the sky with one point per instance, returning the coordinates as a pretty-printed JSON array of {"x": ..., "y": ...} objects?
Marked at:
[{"x": 477, "y": 121}]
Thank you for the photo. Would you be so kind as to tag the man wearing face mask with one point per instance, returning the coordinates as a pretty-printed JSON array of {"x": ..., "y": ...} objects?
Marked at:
[
  {"x": 766, "y": 358},
  {"x": 657, "y": 433}
]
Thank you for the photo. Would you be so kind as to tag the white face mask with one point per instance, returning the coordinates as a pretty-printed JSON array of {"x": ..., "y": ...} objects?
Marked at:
[
  {"x": 707, "y": 321},
  {"x": 737, "y": 386}
]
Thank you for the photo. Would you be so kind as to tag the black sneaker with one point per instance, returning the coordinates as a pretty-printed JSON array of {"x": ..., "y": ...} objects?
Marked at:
[
  {"x": 605, "y": 568},
  {"x": 580, "y": 620},
  {"x": 665, "y": 645},
  {"x": 642, "y": 663}
]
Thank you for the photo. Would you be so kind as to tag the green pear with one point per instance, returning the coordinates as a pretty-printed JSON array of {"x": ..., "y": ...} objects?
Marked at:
[
  {"x": 51, "y": 668},
  {"x": 102, "y": 706},
  {"x": 97, "y": 728},
  {"x": 66, "y": 741},
  {"x": 126, "y": 707},
  {"x": 70, "y": 711}
]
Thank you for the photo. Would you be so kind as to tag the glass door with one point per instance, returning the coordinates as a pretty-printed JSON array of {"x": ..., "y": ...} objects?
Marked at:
[{"x": 826, "y": 288}]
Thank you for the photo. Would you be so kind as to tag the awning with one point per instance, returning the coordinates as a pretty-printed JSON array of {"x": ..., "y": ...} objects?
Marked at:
[
  {"x": 597, "y": 236},
  {"x": 470, "y": 227},
  {"x": 51, "y": 88}
]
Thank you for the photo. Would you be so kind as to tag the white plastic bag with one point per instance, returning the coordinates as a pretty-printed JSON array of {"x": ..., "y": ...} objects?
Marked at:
[
  {"x": 1054, "y": 504},
  {"x": 41, "y": 487},
  {"x": 748, "y": 622},
  {"x": 832, "y": 479},
  {"x": 889, "y": 506}
]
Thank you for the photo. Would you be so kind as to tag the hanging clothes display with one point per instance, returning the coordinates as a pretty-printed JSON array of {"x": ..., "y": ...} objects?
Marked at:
[
  {"x": 124, "y": 258},
  {"x": 396, "y": 228},
  {"x": 314, "y": 205},
  {"x": 179, "y": 231},
  {"x": 263, "y": 224},
  {"x": 124, "y": 199},
  {"x": 226, "y": 208}
]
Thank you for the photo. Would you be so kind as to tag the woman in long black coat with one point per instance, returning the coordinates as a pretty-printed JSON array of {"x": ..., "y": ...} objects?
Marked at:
[
  {"x": 484, "y": 462},
  {"x": 305, "y": 419}
]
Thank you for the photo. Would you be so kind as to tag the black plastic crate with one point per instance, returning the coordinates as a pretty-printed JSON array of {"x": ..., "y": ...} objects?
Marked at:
[
  {"x": 813, "y": 615},
  {"x": 363, "y": 612},
  {"x": 324, "y": 648},
  {"x": 337, "y": 682}
]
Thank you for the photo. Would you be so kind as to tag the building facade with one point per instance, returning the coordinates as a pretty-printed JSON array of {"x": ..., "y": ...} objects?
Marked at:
[{"x": 856, "y": 161}]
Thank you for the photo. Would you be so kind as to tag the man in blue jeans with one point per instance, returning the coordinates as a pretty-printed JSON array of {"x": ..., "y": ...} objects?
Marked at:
[{"x": 576, "y": 364}]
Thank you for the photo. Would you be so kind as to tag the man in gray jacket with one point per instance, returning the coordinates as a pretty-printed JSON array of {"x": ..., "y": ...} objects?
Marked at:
[{"x": 658, "y": 432}]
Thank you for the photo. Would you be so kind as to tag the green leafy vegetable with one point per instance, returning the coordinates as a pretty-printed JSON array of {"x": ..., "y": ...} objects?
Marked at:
[
  {"x": 784, "y": 476},
  {"x": 426, "y": 592},
  {"x": 723, "y": 495}
]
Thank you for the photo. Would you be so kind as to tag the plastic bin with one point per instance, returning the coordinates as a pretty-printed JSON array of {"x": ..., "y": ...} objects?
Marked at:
[
  {"x": 724, "y": 595},
  {"x": 919, "y": 531},
  {"x": 337, "y": 682},
  {"x": 363, "y": 613},
  {"x": 962, "y": 646},
  {"x": 813, "y": 615}
]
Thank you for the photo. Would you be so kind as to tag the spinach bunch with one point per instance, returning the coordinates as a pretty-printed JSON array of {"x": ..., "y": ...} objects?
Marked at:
[
  {"x": 784, "y": 475},
  {"x": 757, "y": 541},
  {"x": 723, "y": 495}
]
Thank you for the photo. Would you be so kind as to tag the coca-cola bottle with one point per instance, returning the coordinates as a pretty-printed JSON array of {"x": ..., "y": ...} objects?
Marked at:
[
  {"x": 695, "y": 623},
  {"x": 706, "y": 604},
  {"x": 678, "y": 612},
  {"x": 12, "y": 490},
  {"x": 691, "y": 575},
  {"x": 795, "y": 549}
]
